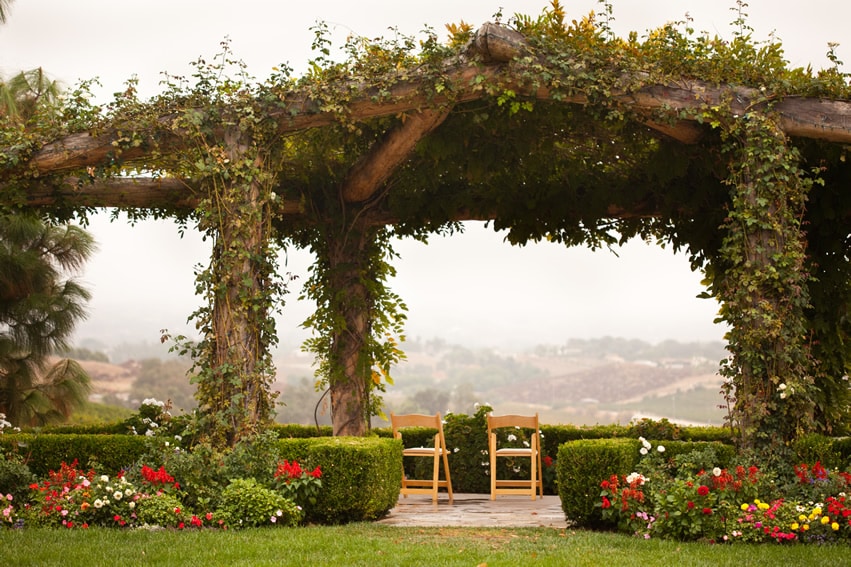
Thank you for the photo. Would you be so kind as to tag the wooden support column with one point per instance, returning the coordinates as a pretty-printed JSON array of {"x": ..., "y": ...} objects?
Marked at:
[
  {"x": 348, "y": 258},
  {"x": 236, "y": 394}
]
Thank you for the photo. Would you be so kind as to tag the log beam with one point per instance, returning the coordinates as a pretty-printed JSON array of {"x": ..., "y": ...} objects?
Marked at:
[{"x": 379, "y": 163}]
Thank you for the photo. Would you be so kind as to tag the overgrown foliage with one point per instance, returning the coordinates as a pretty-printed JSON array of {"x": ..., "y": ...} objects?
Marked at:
[{"x": 548, "y": 144}]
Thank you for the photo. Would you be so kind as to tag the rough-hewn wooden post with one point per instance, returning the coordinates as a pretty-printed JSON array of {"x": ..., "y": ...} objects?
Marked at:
[
  {"x": 237, "y": 391},
  {"x": 349, "y": 395}
]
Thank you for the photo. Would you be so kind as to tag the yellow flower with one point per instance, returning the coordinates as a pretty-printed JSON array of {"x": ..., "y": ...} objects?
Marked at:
[
  {"x": 756, "y": 501},
  {"x": 802, "y": 517},
  {"x": 834, "y": 526},
  {"x": 817, "y": 511},
  {"x": 745, "y": 506},
  {"x": 825, "y": 519},
  {"x": 794, "y": 526},
  {"x": 805, "y": 527},
  {"x": 763, "y": 506}
]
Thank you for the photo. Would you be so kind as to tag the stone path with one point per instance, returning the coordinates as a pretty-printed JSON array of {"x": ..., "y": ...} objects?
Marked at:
[{"x": 477, "y": 510}]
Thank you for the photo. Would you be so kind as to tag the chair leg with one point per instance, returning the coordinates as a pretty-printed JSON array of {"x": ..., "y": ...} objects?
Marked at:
[
  {"x": 492, "y": 455},
  {"x": 436, "y": 477},
  {"x": 446, "y": 475}
]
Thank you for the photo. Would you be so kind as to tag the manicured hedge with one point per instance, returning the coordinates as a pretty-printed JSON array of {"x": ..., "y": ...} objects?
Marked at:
[
  {"x": 583, "y": 464},
  {"x": 47, "y": 451},
  {"x": 361, "y": 477}
]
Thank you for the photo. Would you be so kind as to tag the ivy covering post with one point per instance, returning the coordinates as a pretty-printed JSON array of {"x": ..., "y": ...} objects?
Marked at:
[
  {"x": 232, "y": 360},
  {"x": 357, "y": 321},
  {"x": 764, "y": 287}
]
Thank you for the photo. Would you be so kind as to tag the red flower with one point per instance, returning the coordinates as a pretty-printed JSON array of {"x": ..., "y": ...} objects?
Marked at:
[
  {"x": 209, "y": 516},
  {"x": 548, "y": 461},
  {"x": 604, "y": 484},
  {"x": 180, "y": 526},
  {"x": 317, "y": 472},
  {"x": 195, "y": 521},
  {"x": 703, "y": 490},
  {"x": 606, "y": 503},
  {"x": 690, "y": 505},
  {"x": 707, "y": 511}
]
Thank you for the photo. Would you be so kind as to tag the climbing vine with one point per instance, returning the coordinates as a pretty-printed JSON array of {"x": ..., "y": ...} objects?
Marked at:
[
  {"x": 546, "y": 142},
  {"x": 763, "y": 285}
]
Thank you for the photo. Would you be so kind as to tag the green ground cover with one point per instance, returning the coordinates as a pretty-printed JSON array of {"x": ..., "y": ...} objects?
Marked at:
[{"x": 378, "y": 545}]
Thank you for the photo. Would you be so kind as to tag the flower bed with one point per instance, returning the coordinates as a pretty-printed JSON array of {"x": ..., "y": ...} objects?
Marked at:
[{"x": 669, "y": 499}]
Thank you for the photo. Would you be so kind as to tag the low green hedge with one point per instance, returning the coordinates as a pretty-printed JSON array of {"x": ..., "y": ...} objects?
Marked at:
[
  {"x": 361, "y": 477},
  {"x": 583, "y": 464},
  {"x": 45, "y": 452}
]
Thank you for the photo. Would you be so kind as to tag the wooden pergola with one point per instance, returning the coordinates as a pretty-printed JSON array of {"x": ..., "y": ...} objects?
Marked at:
[{"x": 408, "y": 111}]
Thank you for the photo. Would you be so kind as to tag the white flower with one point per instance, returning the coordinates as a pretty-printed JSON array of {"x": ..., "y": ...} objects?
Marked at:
[
  {"x": 273, "y": 519},
  {"x": 512, "y": 437},
  {"x": 716, "y": 471},
  {"x": 525, "y": 443},
  {"x": 783, "y": 395},
  {"x": 456, "y": 450},
  {"x": 661, "y": 448},
  {"x": 98, "y": 503},
  {"x": 117, "y": 495},
  {"x": 149, "y": 433},
  {"x": 516, "y": 469},
  {"x": 781, "y": 387},
  {"x": 643, "y": 451},
  {"x": 279, "y": 513},
  {"x": 132, "y": 505},
  {"x": 636, "y": 477},
  {"x": 104, "y": 478}
]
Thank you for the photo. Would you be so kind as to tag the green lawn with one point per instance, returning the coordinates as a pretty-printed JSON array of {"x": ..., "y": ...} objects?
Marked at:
[{"x": 377, "y": 545}]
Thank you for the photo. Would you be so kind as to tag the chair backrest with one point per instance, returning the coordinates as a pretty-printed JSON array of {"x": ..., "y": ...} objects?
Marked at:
[
  {"x": 522, "y": 421},
  {"x": 415, "y": 420}
]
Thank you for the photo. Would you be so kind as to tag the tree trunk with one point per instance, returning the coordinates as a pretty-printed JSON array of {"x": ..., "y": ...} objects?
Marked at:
[
  {"x": 238, "y": 390},
  {"x": 349, "y": 394}
]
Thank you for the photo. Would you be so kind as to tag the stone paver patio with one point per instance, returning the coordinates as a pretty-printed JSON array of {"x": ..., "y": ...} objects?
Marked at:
[{"x": 477, "y": 510}]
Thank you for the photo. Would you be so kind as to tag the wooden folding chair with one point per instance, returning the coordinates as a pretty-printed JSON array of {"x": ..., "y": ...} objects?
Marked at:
[
  {"x": 532, "y": 452},
  {"x": 436, "y": 453}
]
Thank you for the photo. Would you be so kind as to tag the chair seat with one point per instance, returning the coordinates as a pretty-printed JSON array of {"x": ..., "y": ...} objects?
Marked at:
[
  {"x": 420, "y": 451},
  {"x": 514, "y": 452}
]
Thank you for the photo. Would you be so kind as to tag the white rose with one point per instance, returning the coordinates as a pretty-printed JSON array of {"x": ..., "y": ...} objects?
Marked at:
[{"x": 716, "y": 471}]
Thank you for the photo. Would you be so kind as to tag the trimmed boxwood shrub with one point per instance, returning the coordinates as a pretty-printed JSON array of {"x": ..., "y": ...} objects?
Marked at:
[
  {"x": 298, "y": 431},
  {"x": 361, "y": 477},
  {"x": 582, "y": 465},
  {"x": 46, "y": 452}
]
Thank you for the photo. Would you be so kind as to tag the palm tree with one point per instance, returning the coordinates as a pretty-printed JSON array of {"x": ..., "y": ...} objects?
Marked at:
[
  {"x": 38, "y": 311},
  {"x": 4, "y": 10},
  {"x": 23, "y": 94},
  {"x": 38, "y": 308}
]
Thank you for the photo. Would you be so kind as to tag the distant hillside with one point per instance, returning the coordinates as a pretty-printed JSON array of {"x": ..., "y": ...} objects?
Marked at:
[{"x": 586, "y": 381}]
